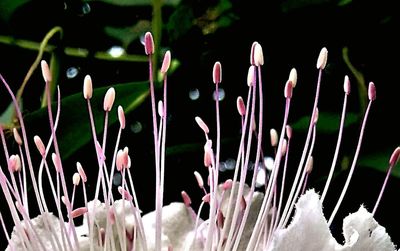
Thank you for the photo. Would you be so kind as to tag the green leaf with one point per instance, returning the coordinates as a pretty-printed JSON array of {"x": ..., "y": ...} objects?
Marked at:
[
  {"x": 379, "y": 161},
  {"x": 127, "y": 35},
  {"x": 137, "y": 2},
  {"x": 8, "y": 7},
  {"x": 180, "y": 22},
  {"x": 7, "y": 117},
  {"x": 327, "y": 122},
  {"x": 224, "y": 21},
  {"x": 344, "y": 2},
  {"x": 74, "y": 126}
]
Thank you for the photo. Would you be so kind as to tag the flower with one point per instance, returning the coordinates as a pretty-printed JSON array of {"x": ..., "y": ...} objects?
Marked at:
[{"x": 239, "y": 217}]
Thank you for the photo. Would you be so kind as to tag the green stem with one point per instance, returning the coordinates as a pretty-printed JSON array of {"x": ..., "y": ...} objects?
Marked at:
[
  {"x": 39, "y": 56},
  {"x": 70, "y": 51},
  {"x": 156, "y": 32},
  {"x": 55, "y": 73},
  {"x": 362, "y": 88}
]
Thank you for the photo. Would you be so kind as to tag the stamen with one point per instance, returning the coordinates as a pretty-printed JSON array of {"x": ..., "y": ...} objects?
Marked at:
[
  {"x": 14, "y": 163},
  {"x": 39, "y": 145},
  {"x": 394, "y": 158},
  {"x": 76, "y": 179},
  {"x": 56, "y": 162},
  {"x": 148, "y": 43},
  {"x": 27, "y": 152},
  {"x": 293, "y": 77},
  {"x": 125, "y": 194},
  {"x": 217, "y": 73},
  {"x": 346, "y": 85},
  {"x": 258, "y": 55},
  {"x": 227, "y": 184},
  {"x": 371, "y": 96},
  {"x": 149, "y": 50},
  {"x": 251, "y": 76},
  {"x": 87, "y": 87},
  {"x": 287, "y": 147},
  {"x": 186, "y": 199},
  {"x": 14, "y": 213},
  {"x": 79, "y": 212},
  {"x": 346, "y": 88},
  {"x": 119, "y": 161},
  {"x": 81, "y": 172},
  {"x": 371, "y": 91},
  {"x": 288, "y": 89},
  {"x": 289, "y": 131},
  {"x": 202, "y": 125},
  {"x": 208, "y": 155},
  {"x": 17, "y": 137},
  {"x": 121, "y": 117},
  {"x": 306, "y": 144},
  {"x": 241, "y": 107},
  {"x": 274, "y": 137},
  {"x": 160, "y": 109},
  {"x": 284, "y": 145},
  {"x": 166, "y": 62},
  {"x": 199, "y": 179},
  {"x": 109, "y": 99},
  {"x": 45, "y": 71},
  {"x": 322, "y": 59},
  {"x": 309, "y": 167},
  {"x": 57, "y": 151},
  {"x": 253, "y": 46},
  {"x": 259, "y": 60},
  {"x": 206, "y": 198}
]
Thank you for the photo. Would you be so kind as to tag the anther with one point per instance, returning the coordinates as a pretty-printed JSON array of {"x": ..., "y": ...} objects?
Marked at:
[{"x": 148, "y": 43}]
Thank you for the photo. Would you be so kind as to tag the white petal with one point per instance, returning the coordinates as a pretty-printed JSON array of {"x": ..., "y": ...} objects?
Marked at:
[
  {"x": 255, "y": 206},
  {"x": 362, "y": 232},
  {"x": 308, "y": 229},
  {"x": 251, "y": 219},
  {"x": 178, "y": 224},
  {"x": 38, "y": 225}
]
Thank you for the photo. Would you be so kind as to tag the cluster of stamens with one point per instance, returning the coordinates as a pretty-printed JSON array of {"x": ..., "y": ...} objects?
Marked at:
[{"x": 106, "y": 226}]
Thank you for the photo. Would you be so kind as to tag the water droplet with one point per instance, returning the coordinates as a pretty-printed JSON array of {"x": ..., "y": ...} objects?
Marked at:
[
  {"x": 269, "y": 163},
  {"x": 72, "y": 72},
  {"x": 250, "y": 166},
  {"x": 136, "y": 127},
  {"x": 116, "y": 51},
  {"x": 194, "y": 94},
  {"x": 221, "y": 94},
  {"x": 142, "y": 39},
  {"x": 261, "y": 175},
  {"x": 86, "y": 8},
  {"x": 230, "y": 164},
  {"x": 222, "y": 166},
  {"x": 117, "y": 179}
]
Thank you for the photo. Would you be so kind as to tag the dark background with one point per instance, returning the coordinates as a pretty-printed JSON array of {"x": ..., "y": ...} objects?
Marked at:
[{"x": 291, "y": 33}]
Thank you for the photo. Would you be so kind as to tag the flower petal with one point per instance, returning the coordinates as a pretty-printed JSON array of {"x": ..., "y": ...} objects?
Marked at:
[
  {"x": 362, "y": 232},
  {"x": 178, "y": 224},
  {"x": 308, "y": 229}
]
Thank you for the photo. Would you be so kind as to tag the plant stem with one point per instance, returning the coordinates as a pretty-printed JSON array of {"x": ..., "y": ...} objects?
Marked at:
[
  {"x": 361, "y": 86},
  {"x": 71, "y": 51}
]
